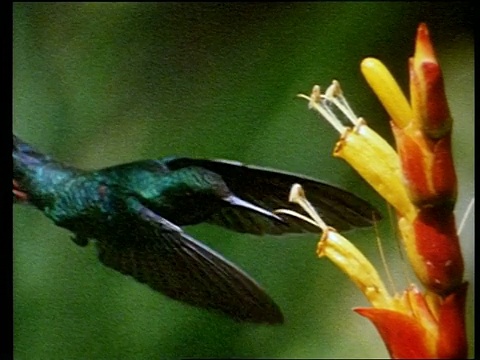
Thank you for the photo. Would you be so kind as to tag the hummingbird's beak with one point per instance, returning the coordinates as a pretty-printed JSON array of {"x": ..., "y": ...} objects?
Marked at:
[{"x": 236, "y": 201}]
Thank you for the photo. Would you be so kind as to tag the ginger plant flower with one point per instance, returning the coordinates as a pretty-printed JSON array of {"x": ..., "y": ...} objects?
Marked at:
[{"x": 418, "y": 179}]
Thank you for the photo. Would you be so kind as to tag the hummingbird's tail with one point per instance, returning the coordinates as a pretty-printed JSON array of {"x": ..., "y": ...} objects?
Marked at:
[{"x": 34, "y": 173}]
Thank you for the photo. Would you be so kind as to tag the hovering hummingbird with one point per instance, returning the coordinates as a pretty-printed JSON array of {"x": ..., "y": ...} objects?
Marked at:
[{"x": 134, "y": 213}]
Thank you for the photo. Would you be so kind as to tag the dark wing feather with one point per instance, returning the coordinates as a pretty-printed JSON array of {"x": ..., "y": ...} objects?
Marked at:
[
  {"x": 270, "y": 188},
  {"x": 158, "y": 253}
]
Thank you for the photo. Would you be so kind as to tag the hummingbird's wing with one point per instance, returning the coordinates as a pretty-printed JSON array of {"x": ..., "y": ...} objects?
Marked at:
[
  {"x": 156, "y": 252},
  {"x": 269, "y": 188}
]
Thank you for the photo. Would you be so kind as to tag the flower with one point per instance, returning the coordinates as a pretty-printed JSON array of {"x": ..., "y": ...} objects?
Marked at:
[
  {"x": 418, "y": 179},
  {"x": 412, "y": 324}
]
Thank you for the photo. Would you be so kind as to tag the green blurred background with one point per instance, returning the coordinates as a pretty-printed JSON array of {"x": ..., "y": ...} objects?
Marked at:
[{"x": 100, "y": 84}]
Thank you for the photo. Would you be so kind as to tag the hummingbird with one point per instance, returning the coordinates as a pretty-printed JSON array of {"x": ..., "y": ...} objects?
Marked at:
[{"x": 134, "y": 213}]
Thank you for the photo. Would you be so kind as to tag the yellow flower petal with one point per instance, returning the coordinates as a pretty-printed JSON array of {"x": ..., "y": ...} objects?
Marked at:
[
  {"x": 387, "y": 90},
  {"x": 357, "y": 267},
  {"x": 376, "y": 161}
]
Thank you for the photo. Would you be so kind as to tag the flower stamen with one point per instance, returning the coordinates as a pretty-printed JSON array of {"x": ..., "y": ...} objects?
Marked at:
[
  {"x": 315, "y": 101},
  {"x": 335, "y": 95},
  {"x": 297, "y": 215}
]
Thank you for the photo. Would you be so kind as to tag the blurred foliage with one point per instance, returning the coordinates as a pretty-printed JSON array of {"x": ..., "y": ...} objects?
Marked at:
[{"x": 96, "y": 84}]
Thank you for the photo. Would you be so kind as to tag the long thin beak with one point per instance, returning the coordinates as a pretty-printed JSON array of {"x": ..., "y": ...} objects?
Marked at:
[{"x": 236, "y": 201}]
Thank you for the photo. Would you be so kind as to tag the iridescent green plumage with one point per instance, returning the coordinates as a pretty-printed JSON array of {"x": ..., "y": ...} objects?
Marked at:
[{"x": 134, "y": 212}]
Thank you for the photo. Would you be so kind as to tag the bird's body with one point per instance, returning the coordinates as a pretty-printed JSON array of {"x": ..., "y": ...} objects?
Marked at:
[{"x": 135, "y": 211}]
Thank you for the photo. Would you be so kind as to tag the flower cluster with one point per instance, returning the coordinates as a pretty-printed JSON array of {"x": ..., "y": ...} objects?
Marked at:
[{"x": 418, "y": 179}]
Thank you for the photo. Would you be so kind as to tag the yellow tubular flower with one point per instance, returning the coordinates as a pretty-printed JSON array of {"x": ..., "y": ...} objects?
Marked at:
[{"x": 389, "y": 93}]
